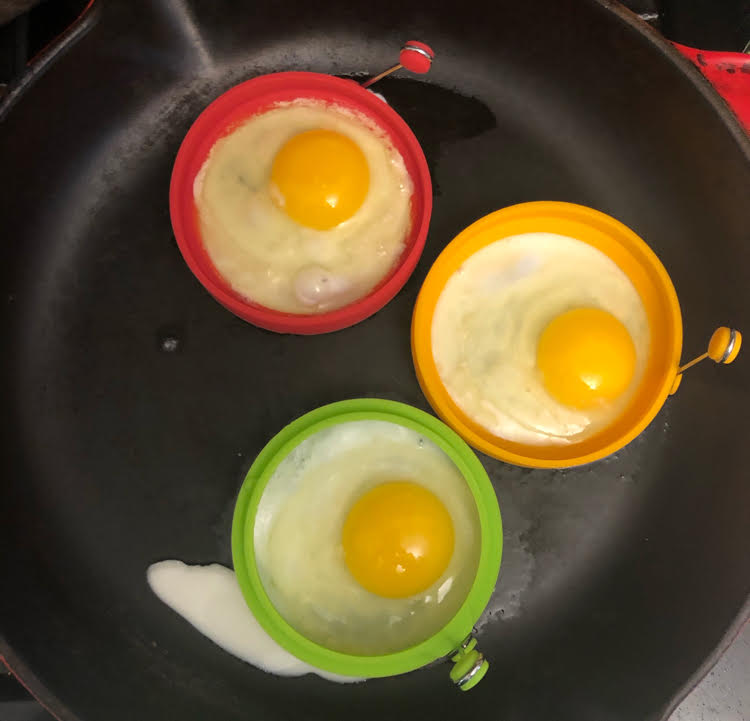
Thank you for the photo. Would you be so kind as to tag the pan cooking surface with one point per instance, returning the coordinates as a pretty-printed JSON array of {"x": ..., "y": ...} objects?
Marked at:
[{"x": 135, "y": 404}]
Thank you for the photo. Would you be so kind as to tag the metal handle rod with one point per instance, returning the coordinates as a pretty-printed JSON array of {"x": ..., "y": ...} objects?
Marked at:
[
  {"x": 371, "y": 81},
  {"x": 692, "y": 363}
]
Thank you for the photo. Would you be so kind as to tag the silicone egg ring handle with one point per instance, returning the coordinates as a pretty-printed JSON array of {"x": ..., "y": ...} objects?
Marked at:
[
  {"x": 723, "y": 348},
  {"x": 469, "y": 665},
  {"x": 415, "y": 56}
]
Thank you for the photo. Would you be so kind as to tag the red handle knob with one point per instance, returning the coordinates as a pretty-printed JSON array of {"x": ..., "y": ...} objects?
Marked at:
[{"x": 416, "y": 56}]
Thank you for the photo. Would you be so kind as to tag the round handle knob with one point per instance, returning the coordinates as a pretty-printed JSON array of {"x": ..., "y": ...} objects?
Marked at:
[
  {"x": 416, "y": 56},
  {"x": 724, "y": 345}
]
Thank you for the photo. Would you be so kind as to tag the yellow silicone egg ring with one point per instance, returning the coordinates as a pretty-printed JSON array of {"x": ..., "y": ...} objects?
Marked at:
[{"x": 636, "y": 260}]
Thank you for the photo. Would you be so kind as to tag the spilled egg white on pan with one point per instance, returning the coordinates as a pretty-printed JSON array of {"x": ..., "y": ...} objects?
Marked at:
[
  {"x": 210, "y": 599},
  {"x": 540, "y": 338},
  {"x": 305, "y": 207},
  {"x": 326, "y": 508}
]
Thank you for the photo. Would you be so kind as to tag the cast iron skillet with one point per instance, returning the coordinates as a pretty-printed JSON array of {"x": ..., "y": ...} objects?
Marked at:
[{"x": 134, "y": 403}]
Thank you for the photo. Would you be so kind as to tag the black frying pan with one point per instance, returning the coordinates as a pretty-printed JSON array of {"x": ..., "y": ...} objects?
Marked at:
[{"x": 134, "y": 404}]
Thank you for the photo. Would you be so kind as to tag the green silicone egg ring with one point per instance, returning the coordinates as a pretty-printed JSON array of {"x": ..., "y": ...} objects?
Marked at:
[{"x": 455, "y": 631}]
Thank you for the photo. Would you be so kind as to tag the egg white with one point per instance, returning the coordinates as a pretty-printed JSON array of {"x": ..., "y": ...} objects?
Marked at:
[
  {"x": 210, "y": 599},
  {"x": 298, "y": 546},
  {"x": 268, "y": 257},
  {"x": 488, "y": 320}
]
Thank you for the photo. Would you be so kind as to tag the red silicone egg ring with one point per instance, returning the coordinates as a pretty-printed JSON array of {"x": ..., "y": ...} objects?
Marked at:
[{"x": 250, "y": 98}]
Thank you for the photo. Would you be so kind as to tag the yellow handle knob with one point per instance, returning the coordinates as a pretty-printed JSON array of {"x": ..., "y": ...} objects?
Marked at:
[
  {"x": 724, "y": 345},
  {"x": 723, "y": 348}
]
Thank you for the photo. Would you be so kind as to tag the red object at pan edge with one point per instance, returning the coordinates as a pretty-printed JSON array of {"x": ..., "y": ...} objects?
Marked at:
[
  {"x": 729, "y": 73},
  {"x": 229, "y": 111}
]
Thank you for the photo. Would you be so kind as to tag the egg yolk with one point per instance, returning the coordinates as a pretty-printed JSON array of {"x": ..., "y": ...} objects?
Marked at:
[
  {"x": 398, "y": 539},
  {"x": 320, "y": 178},
  {"x": 586, "y": 356}
]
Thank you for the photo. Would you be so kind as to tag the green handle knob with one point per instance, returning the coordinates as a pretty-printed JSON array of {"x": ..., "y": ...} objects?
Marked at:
[{"x": 469, "y": 665}]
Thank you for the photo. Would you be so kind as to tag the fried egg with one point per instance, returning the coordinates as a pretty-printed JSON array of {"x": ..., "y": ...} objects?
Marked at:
[
  {"x": 540, "y": 338},
  {"x": 367, "y": 538},
  {"x": 305, "y": 207}
]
